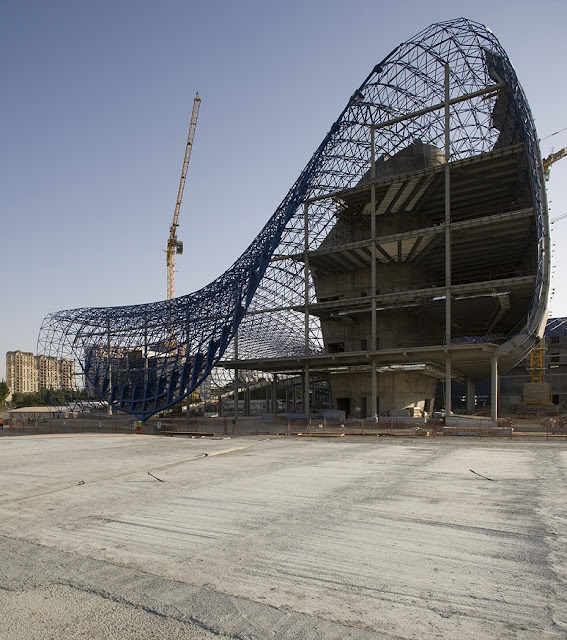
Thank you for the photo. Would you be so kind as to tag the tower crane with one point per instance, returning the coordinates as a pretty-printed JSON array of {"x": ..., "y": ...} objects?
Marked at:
[
  {"x": 537, "y": 354},
  {"x": 561, "y": 217},
  {"x": 551, "y": 158},
  {"x": 174, "y": 245}
]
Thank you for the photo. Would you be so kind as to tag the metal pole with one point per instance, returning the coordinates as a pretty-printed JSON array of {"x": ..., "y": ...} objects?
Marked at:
[
  {"x": 236, "y": 375},
  {"x": 306, "y": 294},
  {"x": 373, "y": 237},
  {"x": 145, "y": 349},
  {"x": 109, "y": 371},
  {"x": 373, "y": 278},
  {"x": 188, "y": 386},
  {"x": 306, "y": 275},
  {"x": 448, "y": 278}
]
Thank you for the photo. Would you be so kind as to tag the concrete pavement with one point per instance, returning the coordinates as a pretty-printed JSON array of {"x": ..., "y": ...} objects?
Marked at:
[{"x": 259, "y": 537}]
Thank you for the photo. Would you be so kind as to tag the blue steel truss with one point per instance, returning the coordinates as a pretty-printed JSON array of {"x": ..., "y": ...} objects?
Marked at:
[{"x": 145, "y": 358}]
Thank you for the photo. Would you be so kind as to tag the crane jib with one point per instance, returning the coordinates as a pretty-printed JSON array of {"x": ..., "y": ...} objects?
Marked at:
[{"x": 174, "y": 245}]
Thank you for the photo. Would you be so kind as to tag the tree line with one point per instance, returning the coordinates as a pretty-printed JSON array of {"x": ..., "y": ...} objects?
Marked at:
[{"x": 49, "y": 397}]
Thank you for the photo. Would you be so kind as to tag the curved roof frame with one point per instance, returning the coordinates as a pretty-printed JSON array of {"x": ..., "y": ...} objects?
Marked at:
[{"x": 144, "y": 358}]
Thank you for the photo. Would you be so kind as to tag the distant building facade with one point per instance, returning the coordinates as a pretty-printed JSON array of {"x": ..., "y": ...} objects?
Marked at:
[
  {"x": 21, "y": 372},
  {"x": 28, "y": 373}
]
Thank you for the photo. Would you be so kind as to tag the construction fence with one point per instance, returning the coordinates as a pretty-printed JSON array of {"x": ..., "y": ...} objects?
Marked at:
[{"x": 198, "y": 426}]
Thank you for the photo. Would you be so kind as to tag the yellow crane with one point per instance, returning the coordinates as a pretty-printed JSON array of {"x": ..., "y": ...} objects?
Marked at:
[
  {"x": 551, "y": 158},
  {"x": 174, "y": 245},
  {"x": 537, "y": 354},
  {"x": 537, "y": 362}
]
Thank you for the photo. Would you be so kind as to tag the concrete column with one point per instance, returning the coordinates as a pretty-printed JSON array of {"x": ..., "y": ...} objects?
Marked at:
[
  {"x": 275, "y": 395},
  {"x": 373, "y": 392},
  {"x": 247, "y": 401},
  {"x": 494, "y": 388},
  {"x": 448, "y": 266},
  {"x": 448, "y": 384},
  {"x": 188, "y": 412},
  {"x": 373, "y": 278},
  {"x": 306, "y": 391},
  {"x": 470, "y": 396}
]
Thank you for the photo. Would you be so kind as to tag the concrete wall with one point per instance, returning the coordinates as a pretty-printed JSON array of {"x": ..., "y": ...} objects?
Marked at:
[{"x": 396, "y": 390}]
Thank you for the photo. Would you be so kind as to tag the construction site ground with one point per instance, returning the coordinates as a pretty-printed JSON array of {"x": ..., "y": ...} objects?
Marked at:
[{"x": 255, "y": 536}]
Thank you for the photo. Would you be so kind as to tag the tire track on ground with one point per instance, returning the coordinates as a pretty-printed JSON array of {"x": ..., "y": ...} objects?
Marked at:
[{"x": 200, "y": 456}]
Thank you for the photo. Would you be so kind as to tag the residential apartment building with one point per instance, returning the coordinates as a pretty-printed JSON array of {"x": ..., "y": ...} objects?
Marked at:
[
  {"x": 27, "y": 373},
  {"x": 47, "y": 372},
  {"x": 21, "y": 371}
]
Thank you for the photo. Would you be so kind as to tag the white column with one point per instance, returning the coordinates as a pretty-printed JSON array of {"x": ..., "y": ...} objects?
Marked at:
[
  {"x": 275, "y": 395},
  {"x": 306, "y": 275},
  {"x": 306, "y": 391},
  {"x": 236, "y": 376},
  {"x": 373, "y": 278},
  {"x": 494, "y": 388},
  {"x": 448, "y": 277},
  {"x": 109, "y": 348}
]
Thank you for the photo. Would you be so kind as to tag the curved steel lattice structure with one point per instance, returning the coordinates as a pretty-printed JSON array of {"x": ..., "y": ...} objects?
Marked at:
[{"x": 145, "y": 358}]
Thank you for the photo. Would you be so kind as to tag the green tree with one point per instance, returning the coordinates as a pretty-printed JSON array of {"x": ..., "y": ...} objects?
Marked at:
[
  {"x": 4, "y": 391},
  {"x": 26, "y": 399}
]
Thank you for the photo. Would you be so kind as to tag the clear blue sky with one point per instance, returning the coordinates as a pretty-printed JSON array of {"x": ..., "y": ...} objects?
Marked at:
[{"x": 96, "y": 103}]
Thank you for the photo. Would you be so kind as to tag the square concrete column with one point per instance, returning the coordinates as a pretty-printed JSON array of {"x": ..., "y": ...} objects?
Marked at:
[
  {"x": 246, "y": 401},
  {"x": 275, "y": 395},
  {"x": 470, "y": 396},
  {"x": 306, "y": 391},
  {"x": 494, "y": 388}
]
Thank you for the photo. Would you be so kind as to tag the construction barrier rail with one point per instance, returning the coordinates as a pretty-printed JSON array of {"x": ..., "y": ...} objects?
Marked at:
[{"x": 199, "y": 426}]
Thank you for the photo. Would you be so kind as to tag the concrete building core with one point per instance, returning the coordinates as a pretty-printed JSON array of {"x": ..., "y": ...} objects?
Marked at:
[
  {"x": 397, "y": 326},
  {"x": 492, "y": 269}
]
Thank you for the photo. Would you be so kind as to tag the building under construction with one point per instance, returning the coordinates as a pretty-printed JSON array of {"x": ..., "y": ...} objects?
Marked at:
[{"x": 413, "y": 248}]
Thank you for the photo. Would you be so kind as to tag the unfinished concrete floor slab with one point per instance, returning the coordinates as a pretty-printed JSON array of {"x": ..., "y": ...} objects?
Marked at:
[{"x": 282, "y": 538}]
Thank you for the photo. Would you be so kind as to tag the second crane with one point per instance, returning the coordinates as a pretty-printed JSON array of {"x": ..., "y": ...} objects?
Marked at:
[{"x": 174, "y": 245}]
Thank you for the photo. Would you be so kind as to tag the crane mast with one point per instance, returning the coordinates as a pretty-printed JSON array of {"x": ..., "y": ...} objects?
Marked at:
[
  {"x": 174, "y": 245},
  {"x": 537, "y": 354}
]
